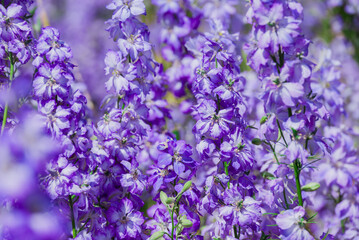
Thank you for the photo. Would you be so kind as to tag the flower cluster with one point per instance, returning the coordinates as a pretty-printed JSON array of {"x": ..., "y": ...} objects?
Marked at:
[
  {"x": 15, "y": 50},
  {"x": 223, "y": 125}
]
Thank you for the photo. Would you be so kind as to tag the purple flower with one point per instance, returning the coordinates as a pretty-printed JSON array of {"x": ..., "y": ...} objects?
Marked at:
[
  {"x": 213, "y": 122},
  {"x": 282, "y": 92},
  {"x": 125, "y": 8},
  {"x": 58, "y": 180},
  {"x": 56, "y": 119},
  {"x": 12, "y": 26},
  {"x": 178, "y": 154},
  {"x": 120, "y": 79},
  {"x": 52, "y": 81},
  {"x": 135, "y": 181},
  {"x": 133, "y": 41},
  {"x": 110, "y": 123},
  {"x": 123, "y": 144},
  {"x": 158, "y": 176},
  {"x": 49, "y": 44},
  {"x": 127, "y": 220},
  {"x": 242, "y": 211},
  {"x": 234, "y": 148},
  {"x": 293, "y": 225}
]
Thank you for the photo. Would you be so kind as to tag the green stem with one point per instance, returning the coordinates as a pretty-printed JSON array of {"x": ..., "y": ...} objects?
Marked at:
[
  {"x": 83, "y": 226},
  {"x": 74, "y": 232},
  {"x": 236, "y": 233},
  {"x": 281, "y": 133},
  {"x": 285, "y": 198},
  {"x": 290, "y": 112},
  {"x": 297, "y": 182},
  {"x": 6, "y": 102},
  {"x": 173, "y": 223},
  {"x": 273, "y": 150},
  {"x": 225, "y": 164}
]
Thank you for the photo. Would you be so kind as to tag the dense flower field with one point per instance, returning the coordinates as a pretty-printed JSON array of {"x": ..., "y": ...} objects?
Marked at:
[{"x": 179, "y": 119}]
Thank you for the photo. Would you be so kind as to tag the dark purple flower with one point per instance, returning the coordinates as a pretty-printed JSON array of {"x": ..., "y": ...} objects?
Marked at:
[
  {"x": 134, "y": 181},
  {"x": 58, "y": 181},
  {"x": 242, "y": 211}
]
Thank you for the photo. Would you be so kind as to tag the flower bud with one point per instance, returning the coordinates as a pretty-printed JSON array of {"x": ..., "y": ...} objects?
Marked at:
[
  {"x": 163, "y": 197},
  {"x": 256, "y": 141},
  {"x": 310, "y": 187},
  {"x": 186, "y": 186},
  {"x": 157, "y": 235},
  {"x": 186, "y": 223},
  {"x": 179, "y": 229},
  {"x": 170, "y": 200},
  {"x": 263, "y": 120}
]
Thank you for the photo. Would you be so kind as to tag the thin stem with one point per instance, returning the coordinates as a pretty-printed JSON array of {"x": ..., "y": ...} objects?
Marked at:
[
  {"x": 297, "y": 182},
  {"x": 285, "y": 198},
  {"x": 306, "y": 143},
  {"x": 236, "y": 235},
  {"x": 83, "y": 226},
  {"x": 6, "y": 101},
  {"x": 273, "y": 150},
  {"x": 281, "y": 133},
  {"x": 290, "y": 112},
  {"x": 74, "y": 232},
  {"x": 173, "y": 223},
  {"x": 225, "y": 165}
]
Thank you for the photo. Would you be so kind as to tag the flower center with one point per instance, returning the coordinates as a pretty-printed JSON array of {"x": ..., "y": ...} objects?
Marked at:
[
  {"x": 124, "y": 219},
  {"x": 177, "y": 157},
  {"x": 163, "y": 173},
  {"x": 55, "y": 44}
]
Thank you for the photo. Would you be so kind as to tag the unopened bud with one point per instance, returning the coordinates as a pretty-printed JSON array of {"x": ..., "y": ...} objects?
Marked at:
[
  {"x": 163, "y": 197},
  {"x": 157, "y": 235},
  {"x": 310, "y": 187}
]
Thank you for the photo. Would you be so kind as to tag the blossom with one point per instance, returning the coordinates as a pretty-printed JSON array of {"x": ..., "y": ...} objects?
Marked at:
[
  {"x": 127, "y": 220},
  {"x": 179, "y": 154},
  {"x": 292, "y": 224},
  {"x": 58, "y": 180},
  {"x": 56, "y": 119},
  {"x": 242, "y": 211},
  {"x": 133, "y": 42},
  {"x": 125, "y": 8},
  {"x": 52, "y": 81},
  {"x": 234, "y": 149},
  {"x": 12, "y": 26},
  {"x": 49, "y": 44},
  {"x": 216, "y": 123}
]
